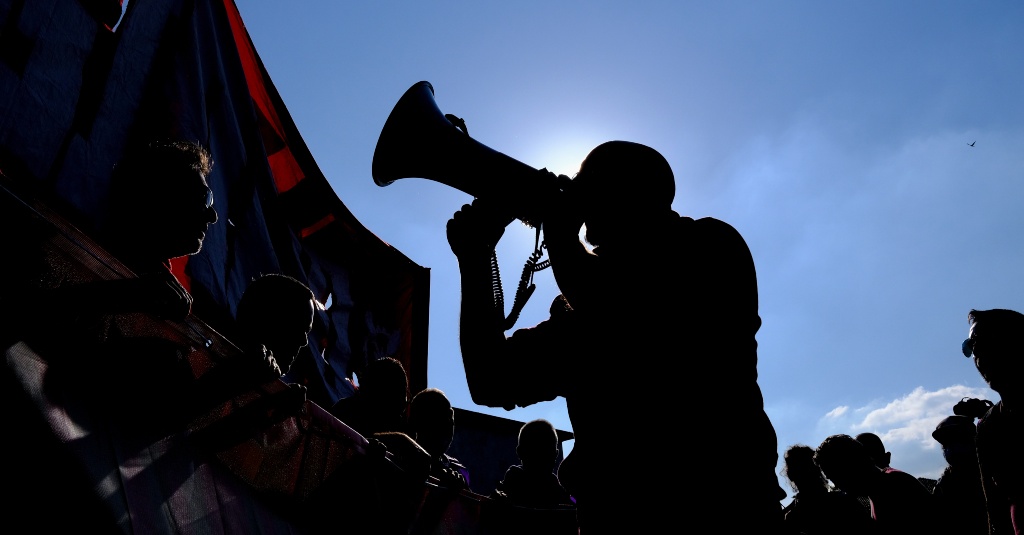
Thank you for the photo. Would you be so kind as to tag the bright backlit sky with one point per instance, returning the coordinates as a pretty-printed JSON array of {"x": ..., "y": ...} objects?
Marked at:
[{"x": 833, "y": 135}]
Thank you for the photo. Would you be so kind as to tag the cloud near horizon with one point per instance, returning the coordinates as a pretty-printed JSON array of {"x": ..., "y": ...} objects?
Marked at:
[
  {"x": 837, "y": 412},
  {"x": 905, "y": 425}
]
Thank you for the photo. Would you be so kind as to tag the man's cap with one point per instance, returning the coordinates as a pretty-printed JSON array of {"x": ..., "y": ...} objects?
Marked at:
[
  {"x": 633, "y": 172},
  {"x": 955, "y": 428}
]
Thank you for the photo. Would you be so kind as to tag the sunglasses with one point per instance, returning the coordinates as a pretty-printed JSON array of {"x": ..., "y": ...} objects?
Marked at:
[{"x": 968, "y": 346}]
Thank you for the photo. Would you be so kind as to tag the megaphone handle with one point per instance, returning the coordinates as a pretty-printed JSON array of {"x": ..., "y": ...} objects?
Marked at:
[
  {"x": 496, "y": 289},
  {"x": 523, "y": 292},
  {"x": 526, "y": 284},
  {"x": 522, "y": 297}
]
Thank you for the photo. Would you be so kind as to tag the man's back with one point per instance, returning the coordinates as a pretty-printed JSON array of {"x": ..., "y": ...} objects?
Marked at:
[
  {"x": 682, "y": 316},
  {"x": 901, "y": 504},
  {"x": 687, "y": 305}
]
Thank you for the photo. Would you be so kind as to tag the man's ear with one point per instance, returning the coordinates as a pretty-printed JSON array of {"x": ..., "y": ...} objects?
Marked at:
[{"x": 888, "y": 456}]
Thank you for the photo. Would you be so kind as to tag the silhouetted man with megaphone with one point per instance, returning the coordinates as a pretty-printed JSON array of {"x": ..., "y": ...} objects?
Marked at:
[{"x": 655, "y": 353}]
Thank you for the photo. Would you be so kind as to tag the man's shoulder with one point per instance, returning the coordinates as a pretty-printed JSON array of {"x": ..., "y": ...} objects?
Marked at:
[
  {"x": 709, "y": 234},
  {"x": 698, "y": 228},
  {"x": 711, "y": 225},
  {"x": 346, "y": 408},
  {"x": 513, "y": 474},
  {"x": 897, "y": 476}
]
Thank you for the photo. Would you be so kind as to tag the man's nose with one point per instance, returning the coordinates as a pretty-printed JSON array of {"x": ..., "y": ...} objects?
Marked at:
[{"x": 211, "y": 215}]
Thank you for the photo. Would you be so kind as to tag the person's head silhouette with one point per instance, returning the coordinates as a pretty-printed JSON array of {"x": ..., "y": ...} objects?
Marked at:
[
  {"x": 621, "y": 185},
  {"x": 538, "y": 446},
  {"x": 956, "y": 435},
  {"x": 996, "y": 341},
  {"x": 277, "y": 310},
  {"x": 801, "y": 470},
  {"x": 847, "y": 463},
  {"x": 875, "y": 448},
  {"x": 160, "y": 204},
  {"x": 432, "y": 421},
  {"x": 384, "y": 386}
]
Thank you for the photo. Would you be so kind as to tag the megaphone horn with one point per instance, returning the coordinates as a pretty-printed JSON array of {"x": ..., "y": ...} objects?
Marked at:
[{"x": 418, "y": 140}]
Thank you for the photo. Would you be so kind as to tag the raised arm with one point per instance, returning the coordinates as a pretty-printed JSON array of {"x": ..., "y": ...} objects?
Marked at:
[{"x": 473, "y": 233}]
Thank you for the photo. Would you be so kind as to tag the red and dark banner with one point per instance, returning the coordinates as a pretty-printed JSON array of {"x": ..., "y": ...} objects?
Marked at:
[
  {"x": 74, "y": 93},
  {"x": 79, "y": 82}
]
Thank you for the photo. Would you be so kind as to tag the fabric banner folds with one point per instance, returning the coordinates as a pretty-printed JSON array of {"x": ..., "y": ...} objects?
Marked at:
[
  {"x": 74, "y": 94},
  {"x": 91, "y": 452}
]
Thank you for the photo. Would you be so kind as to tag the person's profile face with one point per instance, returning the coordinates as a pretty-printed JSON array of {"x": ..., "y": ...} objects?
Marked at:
[
  {"x": 182, "y": 210},
  {"x": 390, "y": 398},
  {"x": 970, "y": 350},
  {"x": 288, "y": 334},
  {"x": 960, "y": 453},
  {"x": 989, "y": 350},
  {"x": 438, "y": 432}
]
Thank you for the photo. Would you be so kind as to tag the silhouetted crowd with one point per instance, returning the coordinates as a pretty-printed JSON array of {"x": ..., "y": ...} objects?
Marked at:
[
  {"x": 648, "y": 269},
  {"x": 846, "y": 485}
]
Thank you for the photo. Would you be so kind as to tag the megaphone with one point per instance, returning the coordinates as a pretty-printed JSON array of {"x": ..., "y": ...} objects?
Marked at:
[{"x": 420, "y": 141}]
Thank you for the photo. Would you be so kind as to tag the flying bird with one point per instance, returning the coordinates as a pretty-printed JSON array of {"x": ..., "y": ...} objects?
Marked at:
[{"x": 971, "y": 144}]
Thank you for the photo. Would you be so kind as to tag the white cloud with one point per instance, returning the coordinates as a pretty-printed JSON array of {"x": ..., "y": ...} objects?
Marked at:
[
  {"x": 837, "y": 412},
  {"x": 905, "y": 425},
  {"x": 914, "y": 416}
]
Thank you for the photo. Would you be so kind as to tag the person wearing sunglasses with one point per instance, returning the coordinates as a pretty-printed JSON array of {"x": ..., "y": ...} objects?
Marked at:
[
  {"x": 160, "y": 208},
  {"x": 996, "y": 343}
]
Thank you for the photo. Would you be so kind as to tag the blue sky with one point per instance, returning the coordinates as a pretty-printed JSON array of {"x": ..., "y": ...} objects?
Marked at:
[{"x": 833, "y": 135}]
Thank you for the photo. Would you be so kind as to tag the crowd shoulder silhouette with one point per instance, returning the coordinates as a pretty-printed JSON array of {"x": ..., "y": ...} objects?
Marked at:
[
  {"x": 621, "y": 288},
  {"x": 378, "y": 409},
  {"x": 532, "y": 482},
  {"x": 959, "y": 493},
  {"x": 273, "y": 319},
  {"x": 816, "y": 507},
  {"x": 899, "y": 502},
  {"x": 432, "y": 424}
]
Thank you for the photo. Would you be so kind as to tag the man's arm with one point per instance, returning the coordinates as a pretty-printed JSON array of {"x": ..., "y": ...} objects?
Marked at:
[
  {"x": 473, "y": 233},
  {"x": 529, "y": 366}
]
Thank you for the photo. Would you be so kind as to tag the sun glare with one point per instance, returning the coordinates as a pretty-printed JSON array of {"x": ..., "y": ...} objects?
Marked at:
[{"x": 561, "y": 155}]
